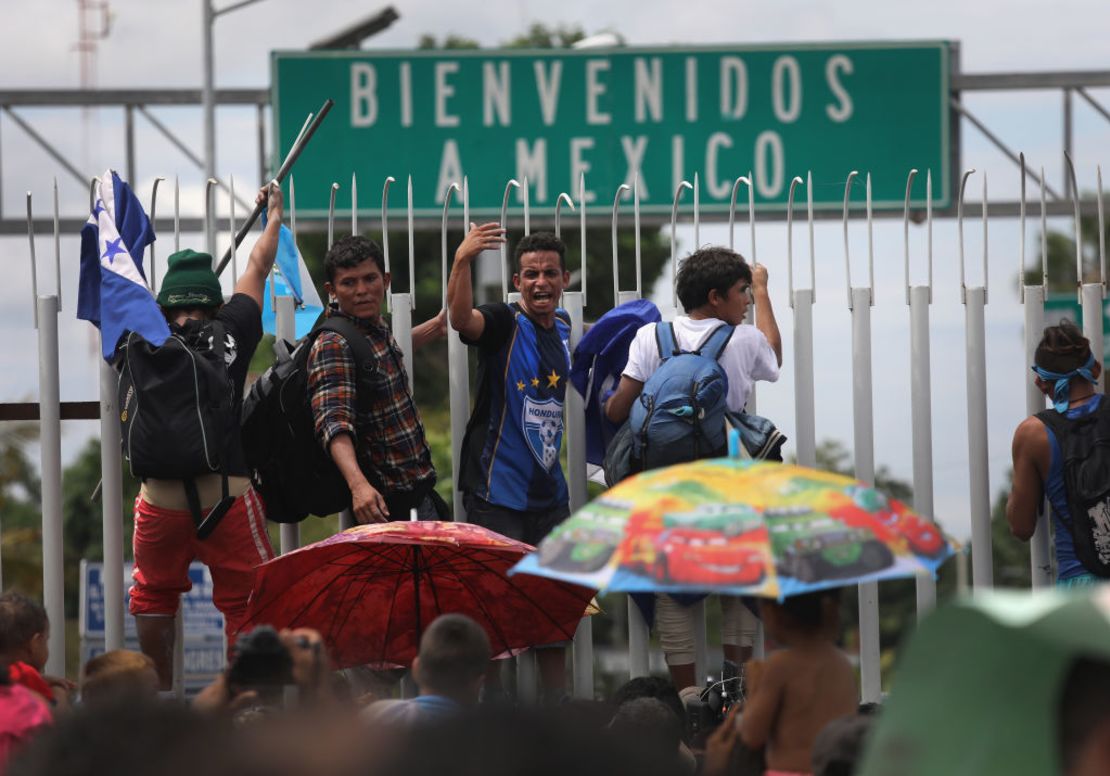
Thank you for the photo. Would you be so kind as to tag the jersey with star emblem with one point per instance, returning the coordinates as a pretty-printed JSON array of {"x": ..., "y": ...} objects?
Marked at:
[{"x": 510, "y": 455}]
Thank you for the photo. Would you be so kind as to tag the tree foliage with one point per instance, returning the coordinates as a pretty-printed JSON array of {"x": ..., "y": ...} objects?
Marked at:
[
  {"x": 1061, "y": 259},
  {"x": 450, "y": 41},
  {"x": 20, "y": 513},
  {"x": 540, "y": 36}
]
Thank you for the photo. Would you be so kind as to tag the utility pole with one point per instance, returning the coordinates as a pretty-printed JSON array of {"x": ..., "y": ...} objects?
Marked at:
[
  {"x": 208, "y": 93},
  {"x": 208, "y": 102}
]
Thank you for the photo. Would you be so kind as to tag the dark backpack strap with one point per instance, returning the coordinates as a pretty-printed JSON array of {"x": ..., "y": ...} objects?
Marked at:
[
  {"x": 715, "y": 343},
  {"x": 1055, "y": 421},
  {"x": 206, "y": 523},
  {"x": 355, "y": 339},
  {"x": 665, "y": 341}
]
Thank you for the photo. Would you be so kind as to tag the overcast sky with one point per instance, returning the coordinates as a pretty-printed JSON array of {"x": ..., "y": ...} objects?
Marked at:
[{"x": 158, "y": 44}]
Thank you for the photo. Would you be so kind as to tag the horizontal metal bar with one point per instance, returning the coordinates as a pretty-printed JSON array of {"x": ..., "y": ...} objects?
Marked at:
[
  {"x": 1060, "y": 79},
  {"x": 100, "y": 97},
  {"x": 91, "y": 97},
  {"x": 997, "y": 209},
  {"x": 71, "y": 410},
  {"x": 72, "y": 226}
]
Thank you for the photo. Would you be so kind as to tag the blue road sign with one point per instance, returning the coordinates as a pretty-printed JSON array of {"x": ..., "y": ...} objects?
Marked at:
[{"x": 202, "y": 619}]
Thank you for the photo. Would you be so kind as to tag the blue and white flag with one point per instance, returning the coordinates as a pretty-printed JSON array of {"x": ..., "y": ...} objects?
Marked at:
[
  {"x": 113, "y": 292},
  {"x": 290, "y": 278}
]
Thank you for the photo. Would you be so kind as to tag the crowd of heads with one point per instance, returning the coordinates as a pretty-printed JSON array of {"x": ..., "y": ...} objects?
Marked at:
[{"x": 121, "y": 723}]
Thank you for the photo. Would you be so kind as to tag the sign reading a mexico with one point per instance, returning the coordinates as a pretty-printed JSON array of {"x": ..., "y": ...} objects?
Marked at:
[{"x": 552, "y": 116}]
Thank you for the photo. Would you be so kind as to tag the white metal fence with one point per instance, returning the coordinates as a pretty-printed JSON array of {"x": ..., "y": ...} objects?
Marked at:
[{"x": 860, "y": 299}]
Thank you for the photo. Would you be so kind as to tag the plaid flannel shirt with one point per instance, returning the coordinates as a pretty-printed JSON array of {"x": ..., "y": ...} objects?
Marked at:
[{"x": 389, "y": 437}]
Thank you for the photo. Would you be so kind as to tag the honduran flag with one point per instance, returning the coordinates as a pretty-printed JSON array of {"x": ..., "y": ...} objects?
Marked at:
[{"x": 113, "y": 292}]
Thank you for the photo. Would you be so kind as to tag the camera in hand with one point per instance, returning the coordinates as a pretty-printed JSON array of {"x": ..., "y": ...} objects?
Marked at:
[{"x": 707, "y": 710}]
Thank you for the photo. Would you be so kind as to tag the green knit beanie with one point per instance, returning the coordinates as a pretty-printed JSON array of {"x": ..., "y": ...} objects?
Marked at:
[{"x": 190, "y": 282}]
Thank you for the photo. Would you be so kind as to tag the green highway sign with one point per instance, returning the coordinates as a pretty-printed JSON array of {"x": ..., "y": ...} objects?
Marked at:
[
  {"x": 550, "y": 116},
  {"x": 1065, "y": 305}
]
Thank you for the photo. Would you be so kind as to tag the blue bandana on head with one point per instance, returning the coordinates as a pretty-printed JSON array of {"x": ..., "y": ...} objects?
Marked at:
[{"x": 1063, "y": 382}]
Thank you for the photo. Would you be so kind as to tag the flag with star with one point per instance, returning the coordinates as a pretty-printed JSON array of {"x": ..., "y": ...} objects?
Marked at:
[{"x": 113, "y": 292}]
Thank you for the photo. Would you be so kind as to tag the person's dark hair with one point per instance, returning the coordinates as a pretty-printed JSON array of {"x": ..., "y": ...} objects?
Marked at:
[
  {"x": 351, "y": 251},
  {"x": 650, "y": 687},
  {"x": 707, "y": 269},
  {"x": 837, "y": 748},
  {"x": 540, "y": 241},
  {"x": 454, "y": 651},
  {"x": 1062, "y": 348},
  {"x": 807, "y": 611},
  {"x": 1082, "y": 708},
  {"x": 651, "y": 724},
  {"x": 21, "y": 618}
]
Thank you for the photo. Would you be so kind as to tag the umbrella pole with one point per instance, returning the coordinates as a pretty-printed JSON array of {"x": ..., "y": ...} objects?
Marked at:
[{"x": 416, "y": 590}]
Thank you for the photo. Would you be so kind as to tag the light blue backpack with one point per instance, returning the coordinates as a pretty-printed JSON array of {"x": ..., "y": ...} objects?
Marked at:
[{"x": 680, "y": 414}]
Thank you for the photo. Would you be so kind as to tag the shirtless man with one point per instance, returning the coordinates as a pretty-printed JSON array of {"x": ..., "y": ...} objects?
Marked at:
[{"x": 800, "y": 688}]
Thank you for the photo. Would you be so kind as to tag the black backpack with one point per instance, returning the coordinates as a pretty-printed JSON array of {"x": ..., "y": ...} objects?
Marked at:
[
  {"x": 1085, "y": 446},
  {"x": 290, "y": 470},
  {"x": 177, "y": 414}
]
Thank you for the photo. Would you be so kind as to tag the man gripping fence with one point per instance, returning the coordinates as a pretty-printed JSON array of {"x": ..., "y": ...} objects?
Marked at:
[{"x": 183, "y": 361}]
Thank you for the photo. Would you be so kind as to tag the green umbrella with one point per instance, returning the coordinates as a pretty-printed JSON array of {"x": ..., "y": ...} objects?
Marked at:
[{"x": 978, "y": 687}]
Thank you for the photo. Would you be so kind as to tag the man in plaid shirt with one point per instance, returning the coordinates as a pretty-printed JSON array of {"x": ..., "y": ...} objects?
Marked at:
[{"x": 377, "y": 444}]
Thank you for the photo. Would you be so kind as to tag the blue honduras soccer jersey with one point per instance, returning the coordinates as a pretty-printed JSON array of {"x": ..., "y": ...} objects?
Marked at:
[{"x": 511, "y": 450}]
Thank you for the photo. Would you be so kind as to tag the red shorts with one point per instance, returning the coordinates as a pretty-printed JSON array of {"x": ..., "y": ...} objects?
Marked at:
[{"x": 165, "y": 543}]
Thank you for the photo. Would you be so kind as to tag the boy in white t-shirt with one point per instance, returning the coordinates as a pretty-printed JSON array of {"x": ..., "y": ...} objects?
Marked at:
[{"x": 715, "y": 286}]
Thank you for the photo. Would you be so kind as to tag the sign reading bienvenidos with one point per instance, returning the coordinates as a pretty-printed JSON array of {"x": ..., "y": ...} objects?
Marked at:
[{"x": 551, "y": 116}]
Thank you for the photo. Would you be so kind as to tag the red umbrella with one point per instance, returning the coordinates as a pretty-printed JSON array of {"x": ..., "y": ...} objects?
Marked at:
[{"x": 371, "y": 590}]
